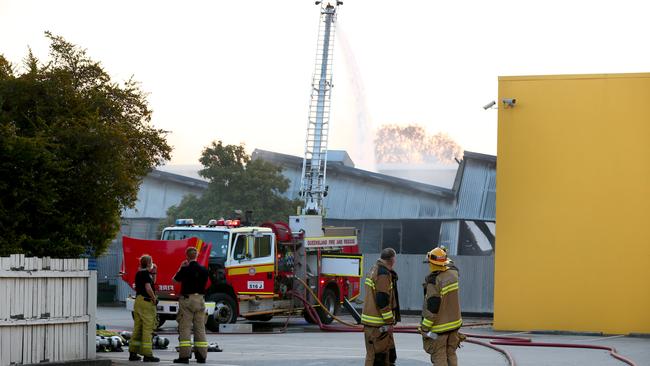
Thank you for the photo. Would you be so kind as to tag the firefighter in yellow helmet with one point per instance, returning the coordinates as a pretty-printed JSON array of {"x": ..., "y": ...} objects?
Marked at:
[{"x": 441, "y": 317}]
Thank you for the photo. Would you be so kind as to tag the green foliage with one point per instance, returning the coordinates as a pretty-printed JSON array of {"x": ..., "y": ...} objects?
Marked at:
[
  {"x": 74, "y": 147},
  {"x": 236, "y": 183}
]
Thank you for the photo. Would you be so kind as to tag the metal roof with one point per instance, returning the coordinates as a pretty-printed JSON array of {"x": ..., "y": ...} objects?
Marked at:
[
  {"x": 479, "y": 156},
  {"x": 177, "y": 178},
  {"x": 475, "y": 186},
  {"x": 361, "y": 194},
  {"x": 399, "y": 183},
  {"x": 160, "y": 190}
]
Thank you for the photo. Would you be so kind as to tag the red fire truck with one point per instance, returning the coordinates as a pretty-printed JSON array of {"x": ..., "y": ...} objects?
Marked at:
[{"x": 255, "y": 269}]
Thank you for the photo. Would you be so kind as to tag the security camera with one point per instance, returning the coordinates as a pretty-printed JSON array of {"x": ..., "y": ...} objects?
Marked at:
[
  {"x": 489, "y": 105},
  {"x": 509, "y": 102}
]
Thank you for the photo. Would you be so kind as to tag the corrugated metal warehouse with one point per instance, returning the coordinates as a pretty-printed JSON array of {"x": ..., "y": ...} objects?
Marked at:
[
  {"x": 405, "y": 215},
  {"x": 389, "y": 212}
]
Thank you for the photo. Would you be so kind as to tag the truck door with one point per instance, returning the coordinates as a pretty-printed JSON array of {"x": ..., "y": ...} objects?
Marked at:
[{"x": 251, "y": 266}]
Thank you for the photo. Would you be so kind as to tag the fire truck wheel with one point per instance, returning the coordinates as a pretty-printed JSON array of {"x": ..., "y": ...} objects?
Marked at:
[
  {"x": 211, "y": 324},
  {"x": 330, "y": 300},
  {"x": 225, "y": 311},
  {"x": 308, "y": 318}
]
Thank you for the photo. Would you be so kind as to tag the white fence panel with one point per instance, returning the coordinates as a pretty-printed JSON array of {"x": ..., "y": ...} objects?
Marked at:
[{"x": 47, "y": 310}]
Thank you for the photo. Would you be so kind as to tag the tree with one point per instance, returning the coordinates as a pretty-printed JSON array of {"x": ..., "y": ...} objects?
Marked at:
[
  {"x": 74, "y": 148},
  {"x": 236, "y": 182},
  {"x": 412, "y": 144}
]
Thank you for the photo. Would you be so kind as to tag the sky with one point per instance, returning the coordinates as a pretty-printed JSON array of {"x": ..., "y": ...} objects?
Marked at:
[{"x": 240, "y": 71}]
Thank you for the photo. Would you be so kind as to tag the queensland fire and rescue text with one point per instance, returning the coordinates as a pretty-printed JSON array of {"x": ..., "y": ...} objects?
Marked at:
[{"x": 324, "y": 242}]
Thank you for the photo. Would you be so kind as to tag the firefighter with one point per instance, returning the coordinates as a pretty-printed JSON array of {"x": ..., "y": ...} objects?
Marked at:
[
  {"x": 191, "y": 313},
  {"x": 441, "y": 317},
  {"x": 392, "y": 352},
  {"x": 144, "y": 313},
  {"x": 378, "y": 316}
]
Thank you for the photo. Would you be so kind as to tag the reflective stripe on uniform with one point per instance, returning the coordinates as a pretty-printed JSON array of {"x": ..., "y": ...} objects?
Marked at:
[
  {"x": 372, "y": 319},
  {"x": 370, "y": 283},
  {"x": 427, "y": 323},
  {"x": 135, "y": 343},
  {"x": 447, "y": 326},
  {"x": 201, "y": 344},
  {"x": 449, "y": 288},
  {"x": 387, "y": 315},
  {"x": 185, "y": 344},
  {"x": 146, "y": 345}
]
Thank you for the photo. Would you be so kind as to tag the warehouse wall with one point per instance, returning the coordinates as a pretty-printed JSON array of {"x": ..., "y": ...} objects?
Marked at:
[
  {"x": 476, "y": 281},
  {"x": 573, "y": 201}
]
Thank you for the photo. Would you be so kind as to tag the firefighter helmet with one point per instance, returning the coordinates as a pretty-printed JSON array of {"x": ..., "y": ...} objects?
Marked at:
[{"x": 438, "y": 257}]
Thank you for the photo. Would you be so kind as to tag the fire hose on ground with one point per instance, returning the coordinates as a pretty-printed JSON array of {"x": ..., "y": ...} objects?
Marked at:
[{"x": 495, "y": 339}]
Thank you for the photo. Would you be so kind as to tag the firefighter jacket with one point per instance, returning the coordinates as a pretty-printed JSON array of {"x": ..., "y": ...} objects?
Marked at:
[
  {"x": 441, "y": 308},
  {"x": 380, "y": 297},
  {"x": 396, "y": 312}
]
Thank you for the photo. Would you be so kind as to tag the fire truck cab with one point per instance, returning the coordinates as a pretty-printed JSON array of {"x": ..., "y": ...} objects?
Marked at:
[{"x": 255, "y": 269}]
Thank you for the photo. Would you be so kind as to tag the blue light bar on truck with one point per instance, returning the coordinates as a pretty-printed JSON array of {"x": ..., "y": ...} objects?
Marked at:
[{"x": 184, "y": 222}]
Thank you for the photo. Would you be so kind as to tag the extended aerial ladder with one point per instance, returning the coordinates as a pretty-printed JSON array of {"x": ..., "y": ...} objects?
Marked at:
[
  {"x": 313, "y": 186},
  {"x": 321, "y": 241}
]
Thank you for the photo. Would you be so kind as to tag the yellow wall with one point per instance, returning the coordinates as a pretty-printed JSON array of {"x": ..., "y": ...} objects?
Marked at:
[{"x": 573, "y": 204}]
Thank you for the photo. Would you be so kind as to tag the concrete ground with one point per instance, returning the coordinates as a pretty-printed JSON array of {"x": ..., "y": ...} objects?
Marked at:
[{"x": 305, "y": 344}]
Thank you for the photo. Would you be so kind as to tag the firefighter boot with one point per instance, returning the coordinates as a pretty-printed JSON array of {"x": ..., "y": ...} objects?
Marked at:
[
  {"x": 199, "y": 359},
  {"x": 150, "y": 359},
  {"x": 134, "y": 356},
  {"x": 182, "y": 360}
]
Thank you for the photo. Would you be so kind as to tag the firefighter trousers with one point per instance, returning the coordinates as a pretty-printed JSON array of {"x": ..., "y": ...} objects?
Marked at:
[
  {"x": 378, "y": 345},
  {"x": 144, "y": 321},
  {"x": 191, "y": 319},
  {"x": 392, "y": 351},
  {"x": 443, "y": 348}
]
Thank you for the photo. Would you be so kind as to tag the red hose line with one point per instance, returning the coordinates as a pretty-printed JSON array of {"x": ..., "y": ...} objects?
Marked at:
[
  {"x": 504, "y": 338},
  {"x": 412, "y": 330},
  {"x": 612, "y": 350},
  {"x": 476, "y": 324},
  {"x": 499, "y": 340},
  {"x": 504, "y": 352}
]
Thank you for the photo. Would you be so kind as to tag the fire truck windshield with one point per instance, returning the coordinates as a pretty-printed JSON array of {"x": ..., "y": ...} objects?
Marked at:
[{"x": 218, "y": 239}]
